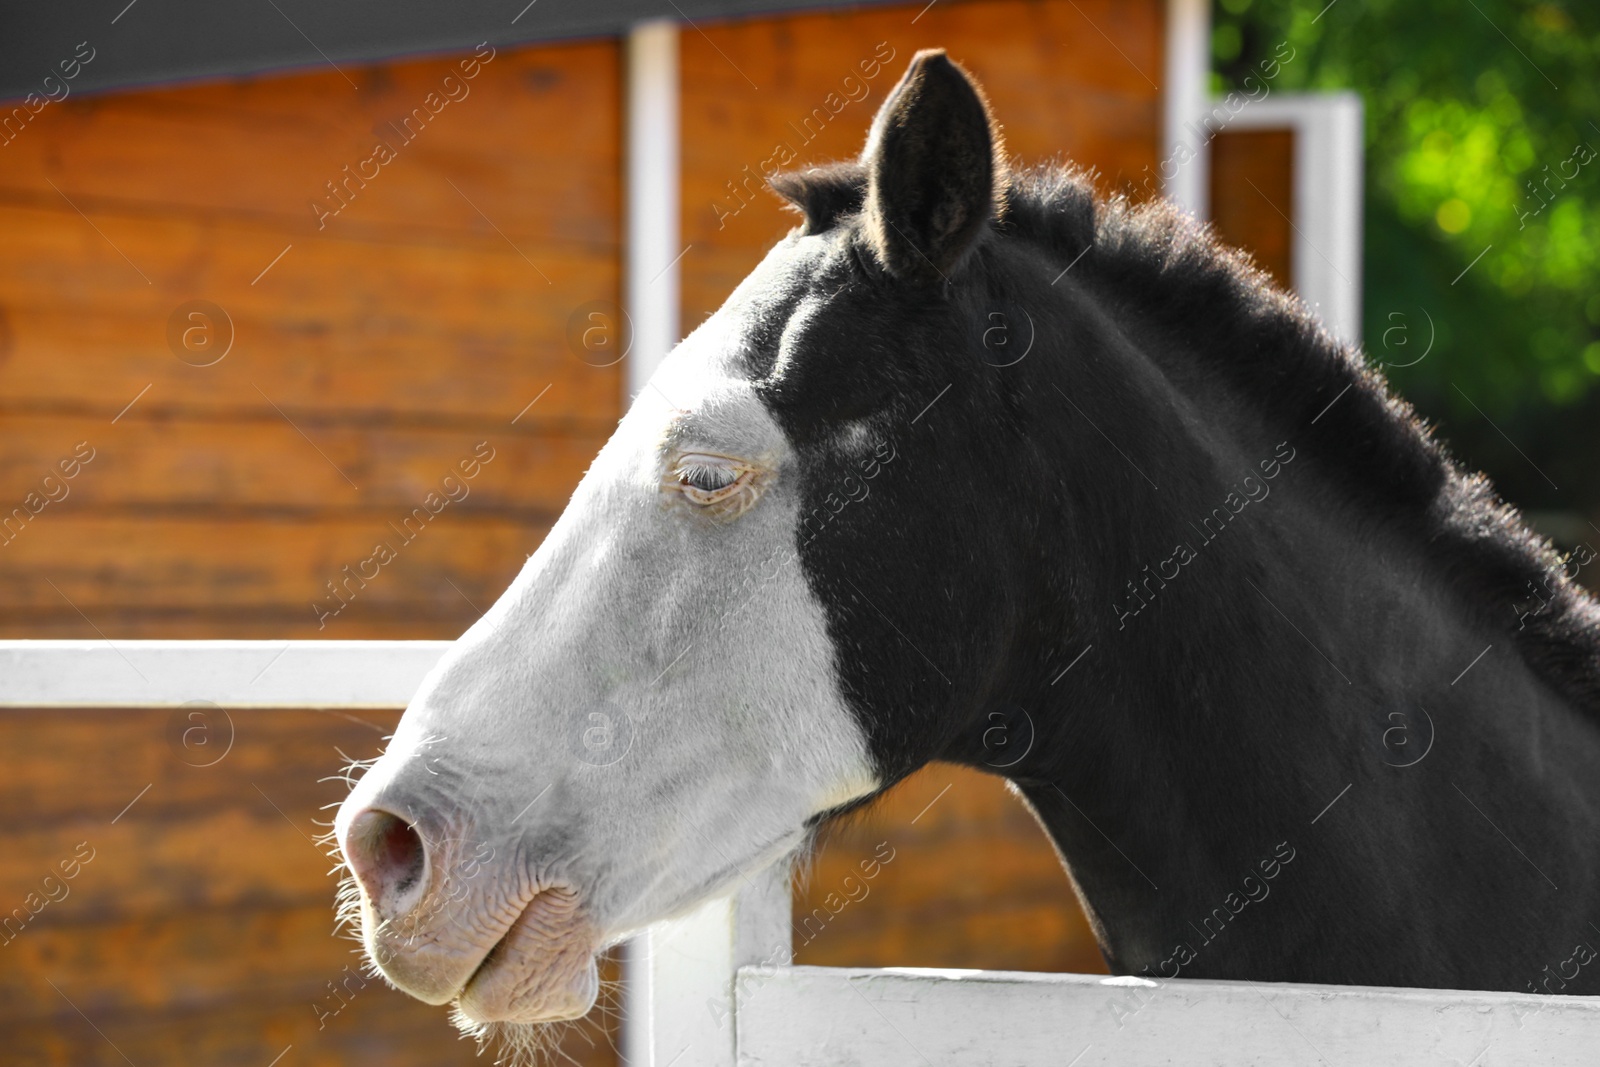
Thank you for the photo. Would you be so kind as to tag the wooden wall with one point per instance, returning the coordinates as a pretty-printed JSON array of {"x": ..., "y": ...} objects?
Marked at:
[
  {"x": 1067, "y": 79},
  {"x": 974, "y": 882},
  {"x": 366, "y": 362},
  {"x": 200, "y": 930},
  {"x": 965, "y": 879}
]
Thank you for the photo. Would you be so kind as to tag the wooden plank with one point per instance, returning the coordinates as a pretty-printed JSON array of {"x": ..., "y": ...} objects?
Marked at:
[
  {"x": 126, "y": 816},
  {"x": 820, "y": 1017},
  {"x": 377, "y": 1027},
  {"x": 137, "y": 262},
  {"x": 227, "y": 464},
  {"x": 1252, "y": 196},
  {"x": 756, "y": 91},
  {"x": 168, "y": 960},
  {"x": 535, "y": 143},
  {"x": 84, "y": 768},
  {"x": 196, "y": 564},
  {"x": 201, "y": 848},
  {"x": 463, "y": 328},
  {"x": 230, "y": 674},
  {"x": 203, "y": 920},
  {"x": 218, "y": 862}
]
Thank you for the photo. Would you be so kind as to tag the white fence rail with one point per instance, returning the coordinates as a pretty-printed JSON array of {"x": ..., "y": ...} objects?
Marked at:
[
  {"x": 716, "y": 988},
  {"x": 231, "y": 674},
  {"x": 816, "y": 1016},
  {"x": 788, "y": 1016}
]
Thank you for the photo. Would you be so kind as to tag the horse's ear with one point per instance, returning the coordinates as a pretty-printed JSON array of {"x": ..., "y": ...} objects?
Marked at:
[{"x": 934, "y": 177}]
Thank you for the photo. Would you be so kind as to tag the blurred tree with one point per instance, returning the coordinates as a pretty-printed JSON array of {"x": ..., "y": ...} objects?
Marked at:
[{"x": 1482, "y": 213}]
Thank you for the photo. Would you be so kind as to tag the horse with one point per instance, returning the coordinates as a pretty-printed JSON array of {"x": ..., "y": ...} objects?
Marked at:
[{"x": 983, "y": 467}]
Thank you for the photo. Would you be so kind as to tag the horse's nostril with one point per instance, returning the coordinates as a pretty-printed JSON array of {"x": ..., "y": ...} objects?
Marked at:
[{"x": 388, "y": 858}]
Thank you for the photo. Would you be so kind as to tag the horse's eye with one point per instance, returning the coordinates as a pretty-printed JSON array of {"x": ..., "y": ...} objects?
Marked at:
[
  {"x": 722, "y": 486},
  {"x": 707, "y": 479}
]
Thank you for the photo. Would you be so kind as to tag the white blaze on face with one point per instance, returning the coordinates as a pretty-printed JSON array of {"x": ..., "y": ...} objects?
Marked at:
[{"x": 651, "y": 711}]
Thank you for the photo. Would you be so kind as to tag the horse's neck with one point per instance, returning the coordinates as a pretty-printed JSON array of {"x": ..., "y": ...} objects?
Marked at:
[{"x": 1256, "y": 693}]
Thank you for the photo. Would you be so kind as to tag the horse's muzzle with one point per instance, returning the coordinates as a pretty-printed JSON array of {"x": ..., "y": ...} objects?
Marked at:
[
  {"x": 542, "y": 970},
  {"x": 445, "y": 921}
]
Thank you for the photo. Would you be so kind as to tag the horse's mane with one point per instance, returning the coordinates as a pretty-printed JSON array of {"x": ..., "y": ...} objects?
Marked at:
[{"x": 1271, "y": 349}]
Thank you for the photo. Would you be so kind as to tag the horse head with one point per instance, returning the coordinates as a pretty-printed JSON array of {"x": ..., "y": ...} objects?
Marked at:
[{"x": 711, "y": 651}]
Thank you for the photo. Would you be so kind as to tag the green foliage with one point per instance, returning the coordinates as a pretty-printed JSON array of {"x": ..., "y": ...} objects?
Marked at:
[{"x": 1482, "y": 132}]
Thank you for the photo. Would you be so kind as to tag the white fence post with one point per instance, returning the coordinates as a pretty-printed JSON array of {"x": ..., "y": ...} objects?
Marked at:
[
  {"x": 1328, "y": 197},
  {"x": 682, "y": 975},
  {"x": 1185, "y": 148},
  {"x": 651, "y": 150}
]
